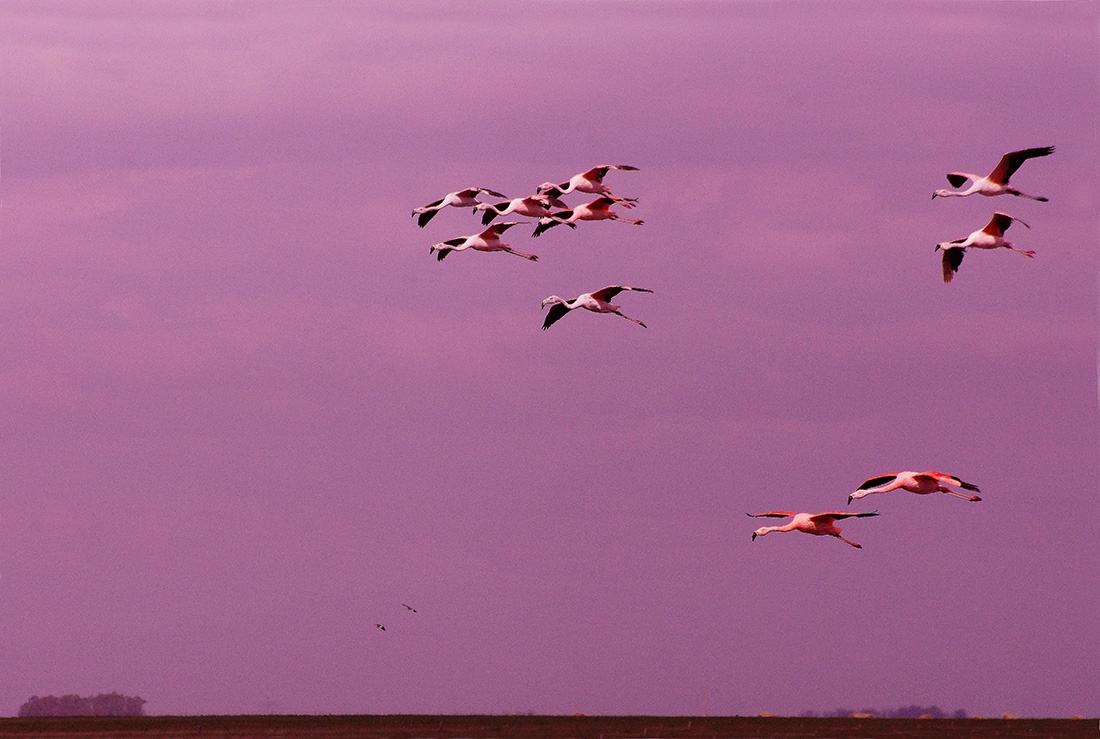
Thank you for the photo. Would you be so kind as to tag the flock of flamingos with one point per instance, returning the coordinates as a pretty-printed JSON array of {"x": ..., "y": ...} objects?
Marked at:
[{"x": 547, "y": 207}]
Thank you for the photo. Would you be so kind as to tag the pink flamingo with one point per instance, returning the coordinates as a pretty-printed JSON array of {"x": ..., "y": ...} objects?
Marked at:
[
  {"x": 460, "y": 199},
  {"x": 598, "y": 210},
  {"x": 996, "y": 182},
  {"x": 533, "y": 206},
  {"x": 990, "y": 237},
  {"x": 487, "y": 240},
  {"x": 921, "y": 483},
  {"x": 554, "y": 192},
  {"x": 818, "y": 524},
  {"x": 597, "y": 302},
  {"x": 590, "y": 181}
]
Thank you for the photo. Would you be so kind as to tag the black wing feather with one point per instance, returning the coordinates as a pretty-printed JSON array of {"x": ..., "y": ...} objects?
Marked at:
[
  {"x": 874, "y": 482},
  {"x": 557, "y": 310},
  {"x": 1012, "y": 160},
  {"x": 952, "y": 258},
  {"x": 422, "y": 221}
]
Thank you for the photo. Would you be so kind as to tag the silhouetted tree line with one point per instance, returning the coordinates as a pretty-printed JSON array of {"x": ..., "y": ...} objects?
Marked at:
[
  {"x": 913, "y": 711},
  {"x": 104, "y": 704}
]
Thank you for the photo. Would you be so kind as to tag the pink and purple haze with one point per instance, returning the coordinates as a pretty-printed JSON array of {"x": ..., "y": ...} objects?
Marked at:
[{"x": 247, "y": 415}]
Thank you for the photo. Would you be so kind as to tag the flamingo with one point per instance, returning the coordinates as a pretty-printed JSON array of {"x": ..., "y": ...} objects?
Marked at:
[
  {"x": 921, "y": 483},
  {"x": 598, "y": 210},
  {"x": 990, "y": 237},
  {"x": 487, "y": 240},
  {"x": 597, "y": 302},
  {"x": 818, "y": 524},
  {"x": 409, "y": 607},
  {"x": 460, "y": 199},
  {"x": 554, "y": 192},
  {"x": 533, "y": 206},
  {"x": 996, "y": 182},
  {"x": 380, "y": 627},
  {"x": 590, "y": 181}
]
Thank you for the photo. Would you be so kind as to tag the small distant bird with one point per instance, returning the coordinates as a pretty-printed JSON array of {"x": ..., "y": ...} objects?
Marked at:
[
  {"x": 818, "y": 524},
  {"x": 460, "y": 199},
  {"x": 409, "y": 607},
  {"x": 380, "y": 627},
  {"x": 487, "y": 240},
  {"x": 533, "y": 206},
  {"x": 597, "y": 302},
  {"x": 990, "y": 237},
  {"x": 921, "y": 483},
  {"x": 598, "y": 210},
  {"x": 590, "y": 181},
  {"x": 996, "y": 182}
]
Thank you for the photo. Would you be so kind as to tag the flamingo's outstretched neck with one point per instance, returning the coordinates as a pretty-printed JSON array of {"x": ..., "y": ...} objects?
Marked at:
[{"x": 764, "y": 530}]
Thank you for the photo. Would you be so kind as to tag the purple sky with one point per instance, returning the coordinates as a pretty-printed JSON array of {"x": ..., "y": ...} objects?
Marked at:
[{"x": 247, "y": 415}]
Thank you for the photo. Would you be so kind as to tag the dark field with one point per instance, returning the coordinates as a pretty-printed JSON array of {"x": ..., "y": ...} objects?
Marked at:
[{"x": 530, "y": 727}]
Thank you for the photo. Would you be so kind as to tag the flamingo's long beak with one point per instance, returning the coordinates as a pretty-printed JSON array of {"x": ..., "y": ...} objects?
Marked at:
[
  {"x": 754, "y": 536},
  {"x": 849, "y": 500}
]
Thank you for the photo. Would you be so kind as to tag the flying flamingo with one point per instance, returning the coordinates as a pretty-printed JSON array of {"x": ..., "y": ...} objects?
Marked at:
[
  {"x": 590, "y": 181},
  {"x": 409, "y": 607},
  {"x": 598, "y": 210},
  {"x": 554, "y": 192},
  {"x": 818, "y": 524},
  {"x": 460, "y": 199},
  {"x": 990, "y": 237},
  {"x": 533, "y": 206},
  {"x": 921, "y": 483},
  {"x": 597, "y": 302},
  {"x": 996, "y": 182},
  {"x": 487, "y": 240}
]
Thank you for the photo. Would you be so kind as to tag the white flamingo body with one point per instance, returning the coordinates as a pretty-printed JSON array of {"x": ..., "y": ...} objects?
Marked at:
[
  {"x": 459, "y": 199},
  {"x": 817, "y": 524},
  {"x": 533, "y": 206},
  {"x": 598, "y": 210},
  {"x": 487, "y": 240},
  {"x": 996, "y": 182},
  {"x": 921, "y": 483},
  {"x": 590, "y": 181},
  {"x": 989, "y": 237},
  {"x": 598, "y": 301}
]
